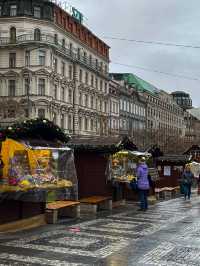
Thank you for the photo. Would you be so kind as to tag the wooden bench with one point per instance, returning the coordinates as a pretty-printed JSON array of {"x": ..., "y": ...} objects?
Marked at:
[
  {"x": 63, "y": 208},
  {"x": 165, "y": 193},
  {"x": 95, "y": 203}
]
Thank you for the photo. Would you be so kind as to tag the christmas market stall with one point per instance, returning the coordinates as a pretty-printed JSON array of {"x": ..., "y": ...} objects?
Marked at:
[
  {"x": 170, "y": 168},
  {"x": 123, "y": 170},
  {"x": 194, "y": 152},
  {"x": 34, "y": 171},
  {"x": 93, "y": 163}
]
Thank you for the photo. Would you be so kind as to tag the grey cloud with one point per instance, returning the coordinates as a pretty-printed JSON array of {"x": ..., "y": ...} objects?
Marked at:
[{"x": 175, "y": 21}]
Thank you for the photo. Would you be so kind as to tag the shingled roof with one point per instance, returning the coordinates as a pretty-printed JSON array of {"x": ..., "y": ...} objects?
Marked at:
[
  {"x": 174, "y": 158},
  {"x": 101, "y": 144}
]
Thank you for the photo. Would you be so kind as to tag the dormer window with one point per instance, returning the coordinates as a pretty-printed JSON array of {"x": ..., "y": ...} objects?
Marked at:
[
  {"x": 37, "y": 12},
  {"x": 13, "y": 10}
]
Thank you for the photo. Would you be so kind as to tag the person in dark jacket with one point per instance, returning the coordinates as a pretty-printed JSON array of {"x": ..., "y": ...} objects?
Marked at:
[
  {"x": 186, "y": 181},
  {"x": 143, "y": 184}
]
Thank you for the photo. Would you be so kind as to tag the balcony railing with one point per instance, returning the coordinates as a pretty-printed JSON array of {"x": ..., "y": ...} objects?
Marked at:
[{"x": 49, "y": 39}]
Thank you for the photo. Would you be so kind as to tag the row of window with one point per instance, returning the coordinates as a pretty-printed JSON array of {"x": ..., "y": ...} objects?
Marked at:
[
  {"x": 150, "y": 124},
  {"x": 114, "y": 124},
  {"x": 114, "y": 107},
  {"x": 66, "y": 121},
  {"x": 132, "y": 108},
  {"x": 80, "y": 54},
  {"x": 13, "y": 11},
  {"x": 84, "y": 35},
  {"x": 165, "y": 105},
  {"x": 92, "y": 102},
  {"x": 168, "y": 117},
  {"x": 126, "y": 124},
  {"x": 37, "y": 13},
  {"x": 92, "y": 81},
  {"x": 88, "y": 124},
  {"x": 84, "y": 99},
  {"x": 41, "y": 90}
]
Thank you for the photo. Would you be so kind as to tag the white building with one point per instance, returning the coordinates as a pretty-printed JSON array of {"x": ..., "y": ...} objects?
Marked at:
[{"x": 52, "y": 66}]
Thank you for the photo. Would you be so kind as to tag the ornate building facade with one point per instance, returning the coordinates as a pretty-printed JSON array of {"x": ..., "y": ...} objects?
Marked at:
[
  {"x": 52, "y": 66},
  {"x": 132, "y": 111},
  {"x": 155, "y": 115}
]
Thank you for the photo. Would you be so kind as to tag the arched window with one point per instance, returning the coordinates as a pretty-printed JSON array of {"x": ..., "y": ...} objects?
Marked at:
[
  {"x": 13, "y": 35},
  {"x": 37, "y": 35}
]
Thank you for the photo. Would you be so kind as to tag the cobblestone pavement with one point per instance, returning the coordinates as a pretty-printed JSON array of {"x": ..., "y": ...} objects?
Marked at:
[{"x": 167, "y": 234}]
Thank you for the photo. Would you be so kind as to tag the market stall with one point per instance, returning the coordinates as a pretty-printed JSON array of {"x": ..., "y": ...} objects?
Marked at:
[
  {"x": 123, "y": 171},
  {"x": 194, "y": 152},
  {"x": 170, "y": 168},
  {"x": 34, "y": 172},
  {"x": 93, "y": 163}
]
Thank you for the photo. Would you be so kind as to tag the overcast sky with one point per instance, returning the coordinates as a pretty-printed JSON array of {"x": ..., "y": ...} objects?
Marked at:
[{"x": 174, "y": 21}]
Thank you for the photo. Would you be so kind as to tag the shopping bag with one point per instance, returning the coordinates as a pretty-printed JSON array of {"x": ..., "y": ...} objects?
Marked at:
[
  {"x": 134, "y": 184},
  {"x": 181, "y": 188}
]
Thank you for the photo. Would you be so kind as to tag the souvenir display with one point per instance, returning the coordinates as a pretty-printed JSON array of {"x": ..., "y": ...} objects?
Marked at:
[
  {"x": 124, "y": 164},
  {"x": 27, "y": 169}
]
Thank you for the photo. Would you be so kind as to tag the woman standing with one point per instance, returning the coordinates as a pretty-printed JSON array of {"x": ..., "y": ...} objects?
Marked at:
[
  {"x": 143, "y": 184},
  {"x": 186, "y": 181}
]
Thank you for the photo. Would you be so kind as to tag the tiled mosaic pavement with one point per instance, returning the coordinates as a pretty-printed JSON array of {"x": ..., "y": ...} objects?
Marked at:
[{"x": 167, "y": 234}]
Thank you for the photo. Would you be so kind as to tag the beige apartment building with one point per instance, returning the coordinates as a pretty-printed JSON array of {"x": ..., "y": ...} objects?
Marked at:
[{"x": 52, "y": 66}]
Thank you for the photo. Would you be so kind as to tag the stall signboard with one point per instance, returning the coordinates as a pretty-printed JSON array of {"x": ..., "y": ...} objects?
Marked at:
[{"x": 167, "y": 170}]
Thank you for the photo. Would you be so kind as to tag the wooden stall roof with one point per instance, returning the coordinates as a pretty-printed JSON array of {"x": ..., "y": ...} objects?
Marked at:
[
  {"x": 192, "y": 150},
  {"x": 42, "y": 143},
  {"x": 174, "y": 158},
  {"x": 101, "y": 144}
]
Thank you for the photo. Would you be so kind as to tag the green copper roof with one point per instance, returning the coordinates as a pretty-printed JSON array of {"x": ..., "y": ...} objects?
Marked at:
[{"x": 140, "y": 84}]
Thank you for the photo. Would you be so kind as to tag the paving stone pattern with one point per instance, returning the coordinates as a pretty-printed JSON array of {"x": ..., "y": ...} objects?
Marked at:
[{"x": 167, "y": 234}]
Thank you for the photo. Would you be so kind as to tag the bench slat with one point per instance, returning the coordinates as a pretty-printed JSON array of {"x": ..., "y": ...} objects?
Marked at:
[
  {"x": 94, "y": 199},
  {"x": 61, "y": 204}
]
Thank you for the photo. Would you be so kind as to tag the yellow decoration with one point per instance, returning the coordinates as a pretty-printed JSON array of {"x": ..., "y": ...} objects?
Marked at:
[
  {"x": 36, "y": 159},
  {"x": 24, "y": 183}
]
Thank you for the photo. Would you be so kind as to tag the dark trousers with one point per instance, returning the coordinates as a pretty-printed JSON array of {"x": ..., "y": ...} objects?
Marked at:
[
  {"x": 143, "y": 199},
  {"x": 187, "y": 190}
]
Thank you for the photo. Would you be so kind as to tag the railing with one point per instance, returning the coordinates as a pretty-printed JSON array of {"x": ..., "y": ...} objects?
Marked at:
[{"x": 49, "y": 39}]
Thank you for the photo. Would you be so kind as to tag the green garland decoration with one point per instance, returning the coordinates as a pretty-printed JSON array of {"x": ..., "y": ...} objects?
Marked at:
[
  {"x": 125, "y": 144},
  {"x": 35, "y": 129}
]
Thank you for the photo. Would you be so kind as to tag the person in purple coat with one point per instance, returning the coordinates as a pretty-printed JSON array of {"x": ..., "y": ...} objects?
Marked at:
[{"x": 143, "y": 184}]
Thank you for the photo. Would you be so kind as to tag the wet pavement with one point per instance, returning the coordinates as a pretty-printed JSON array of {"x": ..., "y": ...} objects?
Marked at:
[{"x": 167, "y": 234}]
